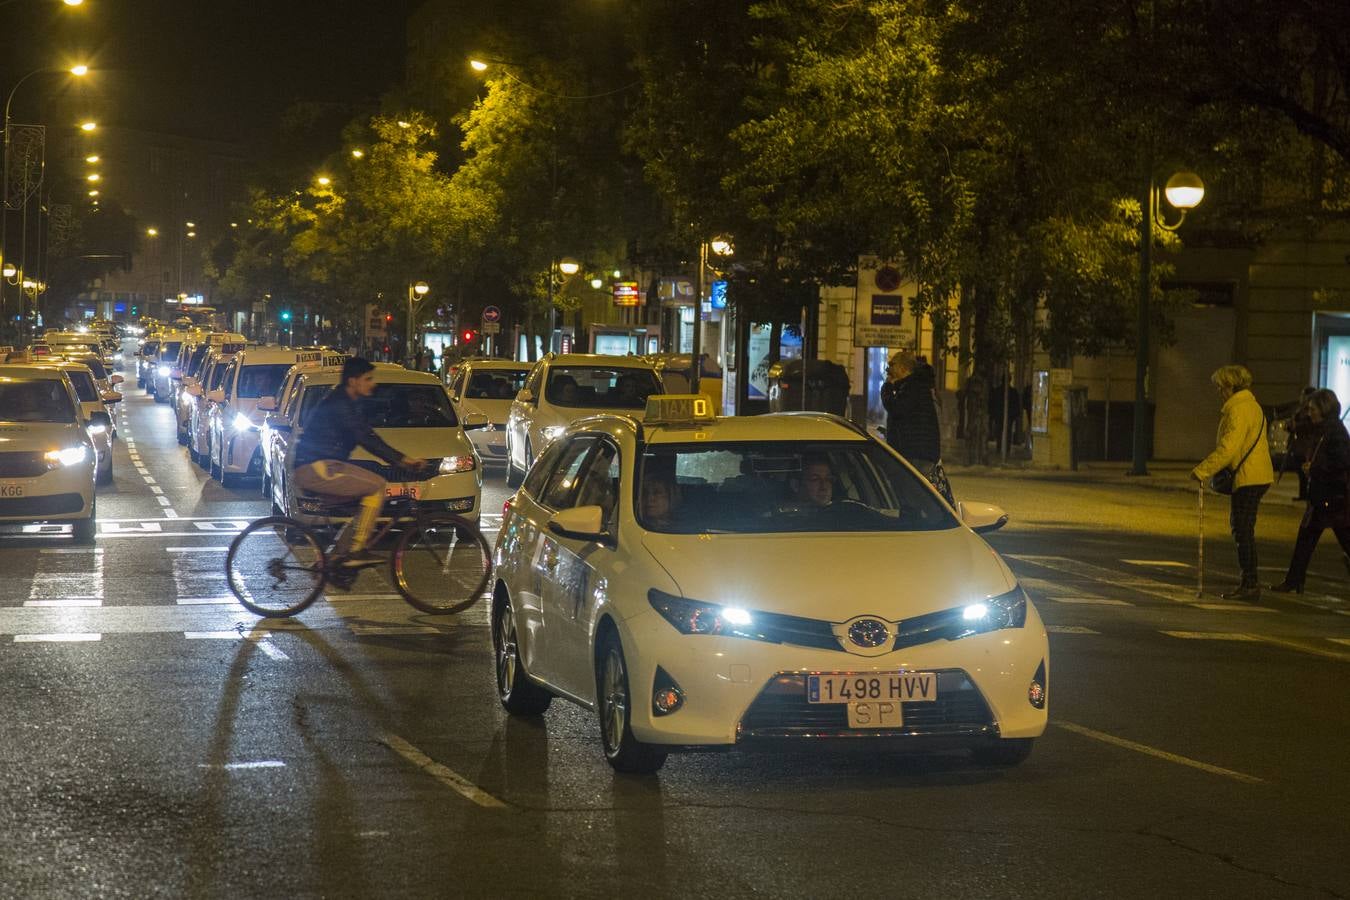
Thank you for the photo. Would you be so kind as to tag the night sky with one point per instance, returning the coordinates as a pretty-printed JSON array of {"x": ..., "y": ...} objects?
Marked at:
[{"x": 225, "y": 69}]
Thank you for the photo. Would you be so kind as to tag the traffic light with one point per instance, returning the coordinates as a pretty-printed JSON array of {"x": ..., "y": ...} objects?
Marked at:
[
  {"x": 285, "y": 315},
  {"x": 388, "y": 317},
  {"x": 469, "y": 335},
  {"x": 135, "y": 311}
]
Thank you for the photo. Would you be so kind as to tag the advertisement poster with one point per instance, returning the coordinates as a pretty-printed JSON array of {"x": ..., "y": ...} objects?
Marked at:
[
  {"x": 758, "y": 358},
  {"x": 1338, "y": 368}
]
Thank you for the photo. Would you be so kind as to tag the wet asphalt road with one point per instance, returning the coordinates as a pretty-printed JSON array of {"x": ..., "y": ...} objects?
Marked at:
[{"x": 181, "y": 749}]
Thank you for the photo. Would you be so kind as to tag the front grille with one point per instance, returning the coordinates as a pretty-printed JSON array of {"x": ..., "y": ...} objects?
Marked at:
[
  {"x": 781, "y": 711},
  {"x": 396, "y": 473},
  {"x": 945, "y": 624},
  {"x": 37, "y": 507},
  {"x": 796, "y": 630},
  {"x": 22, "y": 464}
]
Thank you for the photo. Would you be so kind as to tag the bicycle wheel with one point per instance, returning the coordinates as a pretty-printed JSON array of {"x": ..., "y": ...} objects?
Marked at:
[
  {"x": 441, "y": 566},
  {"x": 276, "y": 567}
]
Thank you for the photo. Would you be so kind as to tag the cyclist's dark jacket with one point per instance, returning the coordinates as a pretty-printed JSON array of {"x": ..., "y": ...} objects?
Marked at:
[{"x": 336, "y": 427}]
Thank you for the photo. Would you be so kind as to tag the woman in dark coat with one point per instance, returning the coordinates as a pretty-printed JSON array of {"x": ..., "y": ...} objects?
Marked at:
[{"x": 1328, "y": 469}]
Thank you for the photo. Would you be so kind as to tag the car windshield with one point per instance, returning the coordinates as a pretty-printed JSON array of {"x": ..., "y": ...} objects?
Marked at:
[
  {"x": 601, "y": 387},
  {"x": 217, "y": 375},
  {"x": 409, "y": 406},
  {"x": 495, "y": 384},
  {"x": 43, "y": 400},
  {"x": 84, "y": 386},
  {"x": 261, "y": 381},
  {"x": 783, "y": 486},
  {"x": 95, "y": 366},
  {"x": 198, "y": 357},
  {"x": 169, "y": 351}
]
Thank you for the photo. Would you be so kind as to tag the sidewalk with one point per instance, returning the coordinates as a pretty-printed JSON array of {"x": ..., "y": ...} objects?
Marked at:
[{"x": 1164, "y": 476}]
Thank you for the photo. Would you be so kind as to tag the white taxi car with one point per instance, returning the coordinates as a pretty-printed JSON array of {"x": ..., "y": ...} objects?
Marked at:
[
  {"x": 47, "y": 459},
  {"x": 252, "y": 375},
  {"x": 702, "y": 582},
  {"x": 159, "y": 379},
  {"x": 411, "y": 411},
  {"x": 488, "y": 386},
  {"x": 93, "y": 400},
  {"x": 563, "y": 388},
  {"x": 199, "y": 414}
]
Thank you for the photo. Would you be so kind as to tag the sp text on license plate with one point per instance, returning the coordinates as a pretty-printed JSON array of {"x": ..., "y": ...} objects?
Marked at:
[{"x": 903, "y": 687}]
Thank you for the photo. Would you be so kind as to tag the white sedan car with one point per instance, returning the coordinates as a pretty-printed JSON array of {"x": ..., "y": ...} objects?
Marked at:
[{"x": 702, "y": 582}]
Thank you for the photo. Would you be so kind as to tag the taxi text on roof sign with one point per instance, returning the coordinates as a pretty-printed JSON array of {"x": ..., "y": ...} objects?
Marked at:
[{"x": 678, "y": 409}]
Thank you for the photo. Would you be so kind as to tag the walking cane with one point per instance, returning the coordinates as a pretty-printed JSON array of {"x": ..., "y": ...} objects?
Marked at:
[{"x": 1200, "y": 552}]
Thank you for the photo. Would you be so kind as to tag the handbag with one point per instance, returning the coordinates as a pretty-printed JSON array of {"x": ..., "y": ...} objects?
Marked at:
[{"x": 1221, "y": 482}]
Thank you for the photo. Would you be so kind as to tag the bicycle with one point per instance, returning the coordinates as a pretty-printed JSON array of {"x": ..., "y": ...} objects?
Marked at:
[{"x": 277, "y": 566}]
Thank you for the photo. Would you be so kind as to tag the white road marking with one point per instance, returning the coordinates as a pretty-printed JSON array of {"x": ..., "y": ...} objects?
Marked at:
[
  {"x": 163, "y": 501},
  {"x": 149, "y": 480},
  {"x": 1301, "y": 647},
  {"x": 1169, "y": 592},
  {"x": 65, "y": 602},
  {"x": 258, "y": 764},
  {"x": 59, "y": 638},
  {"x": 1158, "y": 754},
  {"x": 1091, "y": 601},
  {"x": 76, "y": 582},
  {"x": 338, "y": 598},
  {"x": 204, "y": 601},
  {"x": 1234, "y": 607},
  {"x": 170, "y": 514},
  {"x": 456, "y": 782},
  {"x": 156, "y": 490},
  {"x": 272, "y": 650},
  {"x": 1160, "y": 563},
  {"x": 64, "y": 550},
  {"x": 393, "y": 629},
  {"x": 1069, "y": 629},
  {"x": 195, "y": 549},
  {"x": 142, "y": 470},
  {"x": 1209, "y": 635}
]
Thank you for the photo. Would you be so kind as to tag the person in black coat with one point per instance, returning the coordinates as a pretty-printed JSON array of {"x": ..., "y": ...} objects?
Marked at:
[
  {"x": 1328, "y": 468},
  {"x": 910, "y": 398}
]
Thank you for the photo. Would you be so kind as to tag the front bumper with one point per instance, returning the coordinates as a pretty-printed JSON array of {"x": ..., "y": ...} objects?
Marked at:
[
  {"x": 61, "y": 495},
  {"x": 460, "y": 494},
  {"x": 740, "y": 691},
  {"x": 490, "y": 443}
]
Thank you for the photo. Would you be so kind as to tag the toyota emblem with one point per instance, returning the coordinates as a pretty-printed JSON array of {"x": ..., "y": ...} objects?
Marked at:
[{"x": 869, "y": 633}]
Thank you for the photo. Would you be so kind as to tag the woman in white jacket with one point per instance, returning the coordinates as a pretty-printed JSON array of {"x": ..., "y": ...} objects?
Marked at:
[{"x": 1242, "y": 445}]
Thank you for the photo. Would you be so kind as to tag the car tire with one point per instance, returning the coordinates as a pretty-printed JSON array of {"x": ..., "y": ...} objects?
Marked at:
[
  {"x": 105, "y": 475},
  {"x": 614, "y": 701},
  {"x": 518, "y": 694},
  {"x": 216, "y": 472},
  {"x": 85, "y": 530},
  {"x": 1006, "y": 753}
]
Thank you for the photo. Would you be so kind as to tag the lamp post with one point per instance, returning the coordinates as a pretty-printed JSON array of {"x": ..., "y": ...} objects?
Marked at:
[
  {"x": 721, "y": 247},
  {"x": 416, "y": 291},
  {"x": 1184, "y": 191}
]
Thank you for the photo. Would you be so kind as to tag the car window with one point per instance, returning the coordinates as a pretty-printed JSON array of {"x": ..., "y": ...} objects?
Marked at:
[
  {"x": 457, "y": 384},
  {"x": 532, "y": 381},
  {"x": 309, "y": 402},
  {"x": 409, "y": 406},
  {"x": 227, "y": 380},
  {"x": 600, "y": 481},
  {"x": 539, "y": 472},
  {"x": 169, "y": 351},
  {"x": 45, "y": 400},
  {"x": 95, "y": 366},
  {"x": 495, "y": 384},
  {"x": 84, "y": 386},
  {"x": 218, "y": 370},
  {"x": 261, "y": 380},
  {"x": 601, "y": 387},
  {"x": 562, "y": 481},
  {"x": 783, "y": 486}
]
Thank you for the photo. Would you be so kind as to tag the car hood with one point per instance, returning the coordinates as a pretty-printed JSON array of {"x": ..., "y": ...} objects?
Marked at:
[
  {"x": 495, "y": 410},
  {"x": 25, "y": 436},
  {"x": 834, "y": 577},
  {"x": 421, "y": 443}
]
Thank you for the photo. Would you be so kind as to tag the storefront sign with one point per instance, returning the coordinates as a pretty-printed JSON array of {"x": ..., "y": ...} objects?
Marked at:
[
  {"x": 880, "y": 317},
  {"x": 626, "y": 293}
]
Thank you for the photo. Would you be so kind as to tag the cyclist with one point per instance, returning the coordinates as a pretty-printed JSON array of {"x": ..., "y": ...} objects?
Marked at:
[{"x": 336, "y": 427}]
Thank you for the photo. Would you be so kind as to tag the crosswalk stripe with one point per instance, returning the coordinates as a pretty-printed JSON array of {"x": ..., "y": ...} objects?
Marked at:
[
  {"x": 1091, "y": 601},
  {"x": 1158, "y": 563},
  {"x": 1209, "y": 636},
  {"x": 1234, "y": 607},
  {"x": 1070, "y": 629},
  {"x": 57, "y": 638},
  {"x": 1169, "y": 592}
]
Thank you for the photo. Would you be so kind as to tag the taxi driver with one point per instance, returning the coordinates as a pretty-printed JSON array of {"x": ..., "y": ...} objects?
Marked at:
[{"x": 814, "y": 486}]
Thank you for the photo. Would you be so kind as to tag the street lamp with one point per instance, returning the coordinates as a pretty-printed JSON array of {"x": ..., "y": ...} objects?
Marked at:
[
  {"x": 721, "y": 247},
  {"x": 88, "y": 126},
  {"x": 416, "y": 291},
  {"x": 1184, "y": 191}
]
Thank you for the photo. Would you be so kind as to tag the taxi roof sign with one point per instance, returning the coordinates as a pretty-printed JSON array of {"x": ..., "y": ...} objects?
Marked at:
[{"x": 678, "y": 409}]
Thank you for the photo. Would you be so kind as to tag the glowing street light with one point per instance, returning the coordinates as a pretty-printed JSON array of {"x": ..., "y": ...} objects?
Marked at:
[
  {"x": 79, "y": 71},
  {"x": 152, "y": 232},
  {"x": 93, "y": 193},
  {"x": 73, "y": 2},
  {"x": 569, "y": 267},
  {"x": 478, "y": 65},
  {"x": 358, "y": 153},
  {"x": 88, "y": 126},
  {"x": 93, "y": 176},
  {"x": 91, "y": 158},
  {"x": 324, "y": 181}
]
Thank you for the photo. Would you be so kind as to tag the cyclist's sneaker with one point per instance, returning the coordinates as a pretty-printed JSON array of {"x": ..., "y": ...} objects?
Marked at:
[{"x": 359, "y": 559}]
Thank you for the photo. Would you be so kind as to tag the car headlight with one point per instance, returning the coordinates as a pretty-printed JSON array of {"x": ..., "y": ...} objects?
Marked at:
[
  {"x": 695, "y": 617},
  {"x": 1004, "y": 611},
  {"x": 453, "y": 465},
  {"x": 96, "y": 428},
  {"x": 553, "y": 432},
  {"x": 243, "y": 423},
  {"x": 162, "y": 371},
  {"x": 69, "y": 456}
]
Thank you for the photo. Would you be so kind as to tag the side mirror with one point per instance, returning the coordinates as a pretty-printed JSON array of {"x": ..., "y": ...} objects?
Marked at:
[
  {"x": 111, "y": 396},
  {"x": 475, "y": 420},
  {"x": 216, "y": 396},
  {"x": 582, "y": 523},
  {"x": 525, "y": 396},
  {"x": 116, "y": 379},
  {"x": 267, "y": 404},
  {"x": 981, "y": 518},
  {"x": 278, "y": 422},
  {"x": 103, "y": 420}
]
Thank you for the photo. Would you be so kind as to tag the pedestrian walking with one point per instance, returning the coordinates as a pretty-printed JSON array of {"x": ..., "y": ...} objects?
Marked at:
[
  {"x": 910, "y": 398},
  {"x": 1328, "y": 473},
  {"x": 1240, "y": 464},
  {"x": 1302, "y": 437}
]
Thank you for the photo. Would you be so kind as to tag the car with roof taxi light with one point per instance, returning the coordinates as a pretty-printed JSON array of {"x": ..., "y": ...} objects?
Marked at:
[
  {"x": 48, "y": 460},
  {"x": 699, "y": 582},
  {"x": 409, "y": 410}
]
